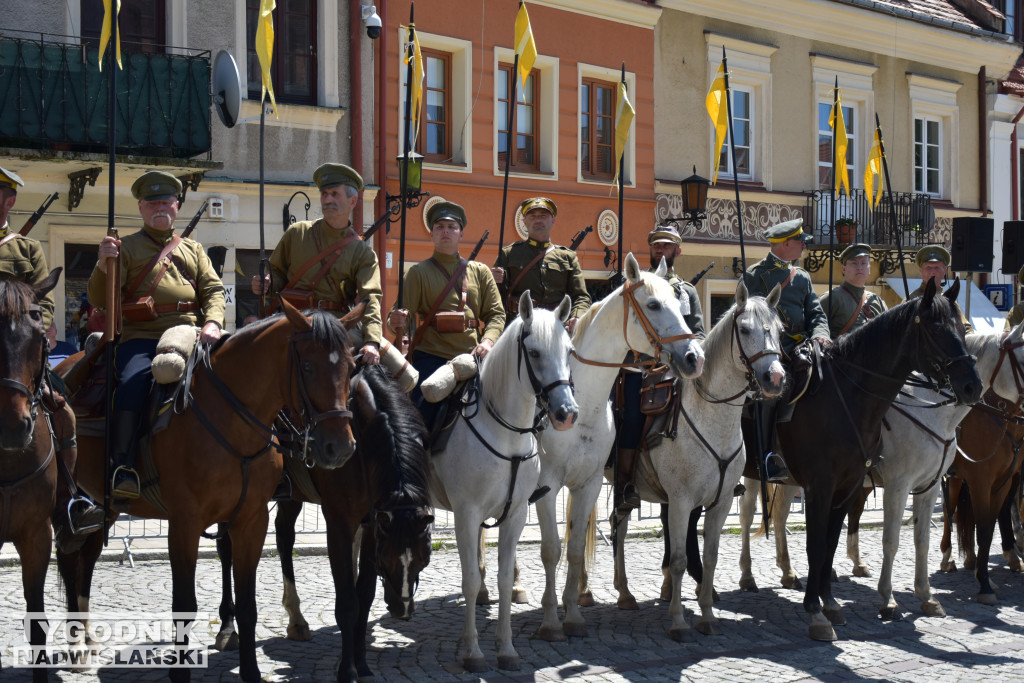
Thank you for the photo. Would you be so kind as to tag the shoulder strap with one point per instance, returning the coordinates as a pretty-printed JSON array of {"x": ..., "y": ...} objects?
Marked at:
[
  {"x": 789, "y": 278},
  {"x": 9, "y": 237},
  {"x": 328, "y": 256},
  {"x": 526, "y": 269},
  {"x": 455, "y": 277},
  {"x": 856, "y": 313},
  {"x": 166, "y": 251}
]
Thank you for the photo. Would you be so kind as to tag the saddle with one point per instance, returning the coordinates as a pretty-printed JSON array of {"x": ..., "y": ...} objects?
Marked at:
[
  {"x": 441, "y": 430},
  {"x": 660, "y": 399},
  {"x": 806, "y": 375}
]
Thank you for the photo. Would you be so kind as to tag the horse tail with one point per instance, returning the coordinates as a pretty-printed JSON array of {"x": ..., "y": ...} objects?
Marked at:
[{"x": 964, "y": 520}]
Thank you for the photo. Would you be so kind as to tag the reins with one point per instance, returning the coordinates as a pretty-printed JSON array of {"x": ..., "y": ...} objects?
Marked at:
[{"x": 748, "y": 363}]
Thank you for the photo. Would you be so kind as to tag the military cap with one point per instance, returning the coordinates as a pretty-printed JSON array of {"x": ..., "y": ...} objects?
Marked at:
[
  {"x": 853, "y": 251},
  {"x": 538, "y": 203},
  {"x": 154, "y": 185},
  {"x": 330, "y": 175},
  {"x": 664, "y": 233},
  {"x": 787, "y": 231},
  {"x": 10, "y": 179},
  {"x": 446, "y": 210},
  {"x": 932, "y": 252}
]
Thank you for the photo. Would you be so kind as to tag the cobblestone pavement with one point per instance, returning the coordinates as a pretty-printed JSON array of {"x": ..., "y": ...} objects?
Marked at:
[{"x": 764, "y": 633}]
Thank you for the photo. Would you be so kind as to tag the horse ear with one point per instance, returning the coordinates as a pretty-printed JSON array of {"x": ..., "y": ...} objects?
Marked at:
[
  {"x": 352, "y": 318},
  {"x": 526, "y": 307},
  {"x": 929, "y": 292},
  {"x": 564, "y": 309},
  {"x": 741, "y": 296},
  {"x": 632, "y": 268},
  {"x": 48, "y": 283},
  {"x": 774, "y": 296},
  {"x": 424, "y": 522},
  {"x": 953, "y": 291},
  {"x": 295, "y": 316},
  {"x": 384, "y": 518},
  {"x": 662, "y": 268},
  {"x": 1016, "y": 333}
]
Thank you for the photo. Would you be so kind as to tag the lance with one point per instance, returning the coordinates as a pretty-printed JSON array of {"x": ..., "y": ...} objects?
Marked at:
[
  {"x": 403, "y": 170},
  {"x": 622, "y": 166},
  {"x": 34, "y": 218},
  {"x": 892, "y": 207},
  {"x": 732, "y": 155},
  {"x": 578, "y": 238},
  {"x": 508, "y": 146},
  {"x": 832, "y": 194}
]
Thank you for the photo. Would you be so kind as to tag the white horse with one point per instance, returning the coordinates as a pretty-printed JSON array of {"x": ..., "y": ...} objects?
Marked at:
[
  {"x": 702, "y": 465},
  {"x": 489, "y": 466},
  {"x": 918, "y": 446}
]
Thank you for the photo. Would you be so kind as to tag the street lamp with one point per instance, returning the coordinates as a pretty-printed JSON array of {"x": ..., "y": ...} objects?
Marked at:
[
  {"x": 695, "y": 197},
  {"x": 413, "y": 175}
]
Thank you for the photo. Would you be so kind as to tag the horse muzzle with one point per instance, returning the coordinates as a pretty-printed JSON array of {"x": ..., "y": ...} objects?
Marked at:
[
  {"x": 332, "y": 452},
  {"x": 17, "y": 430},
  {"x": 564, "y": 410},
  {"x": 772, "y": 381},
  {"x": 690, "y": 363}
]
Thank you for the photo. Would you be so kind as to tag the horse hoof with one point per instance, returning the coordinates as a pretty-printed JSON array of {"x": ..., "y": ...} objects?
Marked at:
[
  {"x": 709, "y": 628},
  {"x": 932, "y": 608},
  {"x": 835, "y": 616},
  {"x": 226, "y": 640},
  {"x": 823, "y": 632},
  {"x": 519, "y": 596},
  {"x": 474, "y": 665},
  {"x": 299, "y": 632},
  {"x": 861, "y": 571},
  {"x": 890, "y": 614},
  {"x": 509, "y": 662},
  {"x": 482, "y": 598},
  {"x": 793, "y": 583},
  {"x": 971, "y": 563},
  {"x": 552, "y": 634},
  {"x": 987, "y": 599},
  {"x": 586, "y": 599},
  {"x": 1013, "y": 561},
  {"x": 948, "y": 566},
  {"x": 682, "y": 635},
  {"x": 715, "y": 597},
  {"x": 666, "y": 593},
  {"x": 749, "y": 585},
  {"x": 575, "y": 630},
  {"x": 627, "y": 602}
]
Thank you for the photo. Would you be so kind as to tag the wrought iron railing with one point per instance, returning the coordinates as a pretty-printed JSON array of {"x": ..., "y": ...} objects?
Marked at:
[
  {"x": 54, "y": 97},
  {"x": 915, "y": 219}
]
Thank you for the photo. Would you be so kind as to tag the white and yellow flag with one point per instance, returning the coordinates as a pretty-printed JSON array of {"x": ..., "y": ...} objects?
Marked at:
[
  {"x": 623, "y": 122},
  {"x": 718, "y": 110},
  {"x": 105, "y": 32},
  {"x": 525, "y": 47},
  {"x": 265, "y": 48}
]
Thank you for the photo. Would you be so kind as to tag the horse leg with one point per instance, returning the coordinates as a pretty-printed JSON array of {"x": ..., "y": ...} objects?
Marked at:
[
  {"x": 621, "y": 583},
  {"x": 950, "y": 494},
  {"x": 482, "y": 598},
  {"x": 781, "y": 503},
  {"x": 966, "y": 524},
  {"x": 366, "y": 589},
  {"x": 76, "y": 570},
  {"x": 714, "y": 520},
  {"x": 34, "y": 552},
  {"x": 678, "y": 522},
  {"x": 586, "y": 596},
  {"x": 832, "y": 609},
  {"x": 666, "y": 556},
  {"x": 183, "y": 548},
  {"x": 853, "y": 533},
  {"x": 748, "y": 506},
  {"x": 551, "y": 628},
  {"x": 248, "y": 534},
  {"x": 893, "y": 503},
  {"x": 985, "y": 514},
  {"x": 340, "y": 553},
  {"x": 924, "y": 503},
  {"x": 227, "y": 638},
  {"x": 508, "y": 536},
  {"x": 584, "y": 499},
  {"x": 288, "y": 512},
  {"x": 1006, "y": 533},
  {"x": 519, "y": 594},
  {"x": 817, "y": 547},
  {"x": 468, "y": 538}
]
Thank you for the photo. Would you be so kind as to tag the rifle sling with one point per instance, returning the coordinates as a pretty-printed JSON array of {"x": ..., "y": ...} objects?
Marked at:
[
  {"x": 524, "y": 271},
  {"x": 460, "y": 270},
  {"x": 164, "y": 253},
  {"x": 328, "y": 256},
  {"x": 856, "y": 313}
]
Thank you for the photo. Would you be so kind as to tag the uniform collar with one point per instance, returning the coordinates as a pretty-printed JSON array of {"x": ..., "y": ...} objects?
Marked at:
[
  {"x": 446, "y": 259},
  {"x": 3, "y": 230},
  {"x": 853, "y": 289},
  {"x": 539, "y": 245},
  {"x": 159, "y": 236},
  {"x": 774, "y": 261}
]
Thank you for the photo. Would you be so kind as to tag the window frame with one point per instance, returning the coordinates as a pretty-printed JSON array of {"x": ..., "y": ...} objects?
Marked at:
[
  {"x": 158, "y": 41},
  {"x": 856, "y": 85},
  {"x": 501, "y": 122},
  {"x": 824, "y": 130},
  {"x": 447, "y": 122},
  {"x": 725, "y": 170},
  {"x": 278, "y": 63},
  {"x": 592, "y": 85},
  {"x": 612, "y": 77},
  {"x": 921, "y": 172},
  {"x": 936, "y": 98}
]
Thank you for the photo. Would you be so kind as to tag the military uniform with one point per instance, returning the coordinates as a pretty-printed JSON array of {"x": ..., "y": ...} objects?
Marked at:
[
  {"x": 845, "y": 299},
  {"x": 22, "y": 258},
  {"x": 936, "y": 252},
  {"x": 557, "y": 273},
  {"x": 798, "y": 307}
]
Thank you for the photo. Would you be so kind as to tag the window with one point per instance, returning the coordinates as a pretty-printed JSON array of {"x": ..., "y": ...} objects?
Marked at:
[
  {"x": 1012, "y": 10},
  {"x": 435, "y": 141},
  {"x": 141, "y": 25},
  {"x": 927, "y": 153},
  {"x": 597, "y": 129},
  {"x": 742, "y": 126},
  {"x": 294, "y": 63},
  {"x": 525, "y": 122},
  {"x": 825, "y": 144}
]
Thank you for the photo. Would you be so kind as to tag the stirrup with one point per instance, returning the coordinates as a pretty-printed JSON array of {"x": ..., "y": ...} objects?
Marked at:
[
  {"x": 538, "y": 494},
  {"x": 130, "y": 475},
  {"x": 90, "y": 517},
  {"x": 776, "y": 471},
  {"x": 284, "y": 488},
  {"x": 630, "y": 500}
]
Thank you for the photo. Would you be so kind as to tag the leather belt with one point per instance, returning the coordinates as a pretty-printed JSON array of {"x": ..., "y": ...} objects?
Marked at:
[
  {"x": 326, "y": 305},
  {"x": 472, "y": 324},
  {"x": 180, "y": 307}
]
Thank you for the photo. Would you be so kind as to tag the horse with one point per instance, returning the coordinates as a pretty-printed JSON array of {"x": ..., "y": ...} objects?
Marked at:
[
  {"x": 859, "y": 378},
  {"x": 28, "y": 463},
  {"x": 231, "y": 467},
  {"x": 383, "y": 487},
  {"x": 524, "y": 377},
  {"x": 700, "y": 467}
]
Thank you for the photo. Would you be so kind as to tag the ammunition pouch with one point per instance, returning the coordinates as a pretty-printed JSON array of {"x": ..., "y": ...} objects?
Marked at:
[{"x": 139, "y": 310}]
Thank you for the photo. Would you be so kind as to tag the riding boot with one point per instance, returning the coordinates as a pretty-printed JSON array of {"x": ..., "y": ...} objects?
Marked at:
[
  {"x": 125, "y": 481},
  {"x": 775, "y": 467},
  {"x": 74, "y": 515},
  {"x": 284, "y": 487},
  {"x": 626, "y": 496}
]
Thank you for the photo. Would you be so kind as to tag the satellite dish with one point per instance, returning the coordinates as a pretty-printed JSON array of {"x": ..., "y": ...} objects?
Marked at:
[{"x": 227, "y": 88}]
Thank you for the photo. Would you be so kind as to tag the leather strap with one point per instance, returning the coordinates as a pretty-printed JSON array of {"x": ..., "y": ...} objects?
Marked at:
[
  {"x": 328, "y": 256},
  {"x": 8, "y": 238},
  {"x": 524, "y": 271},
  {"x": 455, "y": 277},
  {"x": 856, "y": 313},
  {"x": 181, "y": 306},
  {"x": 164, "y": 253}
]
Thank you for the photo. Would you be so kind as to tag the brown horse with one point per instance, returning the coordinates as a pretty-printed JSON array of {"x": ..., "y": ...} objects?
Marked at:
[
  {"x": 216, "y": 460},
  {"x": 28, "y": 468}
]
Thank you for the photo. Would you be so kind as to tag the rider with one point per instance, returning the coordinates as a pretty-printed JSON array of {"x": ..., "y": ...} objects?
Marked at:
[
  {"x": 431, "y": 288},
  {"x": 298, "y": 262},
  {"x": 933, "y": 262},
  {"x": 853, "y": 305},
  {"x": 22, "y": 258},
  {"x": 549, "y": 271},
  {"x": 799, "y": 310},
  {"x": 154, "y": 299},
  {"x": 664, "y": 242}
]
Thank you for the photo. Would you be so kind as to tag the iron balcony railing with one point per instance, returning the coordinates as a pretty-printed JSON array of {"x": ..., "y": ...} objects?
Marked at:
[
  {"x": 915, "y": 219},
  {"x": 54, "y": 97}
]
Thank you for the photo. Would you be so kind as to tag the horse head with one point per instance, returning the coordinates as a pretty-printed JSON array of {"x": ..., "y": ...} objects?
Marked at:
[
  {"x": 403, "y": 551},
  {"x": 320, "y": 365},
  {"x": 1008, "y": 375},
  {"x": 543, "y": 348},
  {"x": 660, "y": 317},
  {"x": 941, "y": 351},
  {"x": 22, "y": 358},
  {"x": 757, "y": 331}
]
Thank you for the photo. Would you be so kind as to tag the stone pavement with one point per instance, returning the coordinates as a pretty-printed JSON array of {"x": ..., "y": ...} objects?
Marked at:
[{"x": 764, "y": 633}]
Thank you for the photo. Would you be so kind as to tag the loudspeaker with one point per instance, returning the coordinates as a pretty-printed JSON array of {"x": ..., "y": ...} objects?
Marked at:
[
  {"x": 1013, "y": 246},
  {"x": 972, "y": 244}
]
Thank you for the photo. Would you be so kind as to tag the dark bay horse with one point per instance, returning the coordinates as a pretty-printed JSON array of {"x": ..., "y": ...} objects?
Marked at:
[
  {"x": 834, "y": 435},
  {"x": 379, "y": 503},
  {"x": 216, "y": 461},
  {"x": 28, "y": 466}
]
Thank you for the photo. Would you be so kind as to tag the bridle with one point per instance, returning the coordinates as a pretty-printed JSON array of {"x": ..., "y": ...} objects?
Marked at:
[
  {"x": 34, "y": 396},
  {"x": 748, "y": 362}
]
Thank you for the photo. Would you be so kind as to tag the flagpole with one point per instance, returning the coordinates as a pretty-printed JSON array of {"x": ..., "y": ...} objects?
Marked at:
[
  {"x": 403, "y": 170},
  {"x": 622, "y": 165},
  {"x": 732, "y": 155},
  {"x": 112, "y": 325},
  {"x": 832, "y": 194},
  {"x": 892, "y": 207},
  {"x": 508, "y": 147}
]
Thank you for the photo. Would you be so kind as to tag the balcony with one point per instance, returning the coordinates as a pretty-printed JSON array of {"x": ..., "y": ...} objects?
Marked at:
[
  {"x": 912, "y": 228},
  {"x": 55, "y": 98}
]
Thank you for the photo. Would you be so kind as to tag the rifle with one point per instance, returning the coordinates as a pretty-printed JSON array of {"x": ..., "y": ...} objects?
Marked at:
[
  {"x": 195, "y": 220},
  {"x": 702, "y": 273},
  {"x": 479, "y": 245},
  {"x": 580, "y": 236},
  {"x": 34, "y": 218}
]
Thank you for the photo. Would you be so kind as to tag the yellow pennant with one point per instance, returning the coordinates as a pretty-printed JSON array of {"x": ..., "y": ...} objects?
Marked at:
[
  {"x": 105, "y": 33},
  {"x": 265, "y": 48},
  {"x": 718, "y": 110}
]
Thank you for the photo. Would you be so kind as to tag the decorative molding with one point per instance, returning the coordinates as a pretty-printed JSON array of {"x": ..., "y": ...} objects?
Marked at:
[
  {"x": 629, "y": 13},
  {"x": 722, "y": 222},
  {"x": 78, "y": 180}
]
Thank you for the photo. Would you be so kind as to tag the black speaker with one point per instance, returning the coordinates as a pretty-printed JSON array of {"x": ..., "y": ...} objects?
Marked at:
[
  {"x": 1013, "y": 246},
  {"x": 972, "y": 244}
]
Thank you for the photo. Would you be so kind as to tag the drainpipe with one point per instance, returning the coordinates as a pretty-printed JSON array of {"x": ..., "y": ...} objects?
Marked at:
[
  {"x": 355, "y": 109},
  {"x": 1014, "y": 180},
  {"x": 983, "y": 153}
]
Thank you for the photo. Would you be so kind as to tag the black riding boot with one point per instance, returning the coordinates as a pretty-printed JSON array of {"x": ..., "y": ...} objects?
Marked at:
[
  {"x": 626, "y": 496},
  {"x": 74, "y": 516},
  {"x": 125, "y": 481},
  {"x": 775, "y": 467}
]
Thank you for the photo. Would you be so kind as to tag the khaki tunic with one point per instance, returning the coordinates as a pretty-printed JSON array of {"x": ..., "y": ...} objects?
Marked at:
[
  {"x": 188, "y": 262},
  {"x": 424, "y": 283},
  {"x": 798, "y": 308},
  {"x": 23, "y": 258},
  {"x": 1015, "y": 316},
  {"x": 963, "y": 318},
  {"x": 684, "y": 290},
  {"x": 353, "y": 277},
  {"x": 550, "y": 279},
  {"x": 845, "y": 302}
]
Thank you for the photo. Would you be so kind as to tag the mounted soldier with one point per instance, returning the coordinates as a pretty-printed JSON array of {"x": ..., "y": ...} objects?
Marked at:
[
  {"x": 549, "y": 271},
  {"x": 22, "y": 258},
  {"x": 852, "y": 304},
  {"x": 323, "y": 263},
  {"x": 165, "y": 281},
  {"x": 933, "y": 262},
  {"x": 665, "y": 243}
]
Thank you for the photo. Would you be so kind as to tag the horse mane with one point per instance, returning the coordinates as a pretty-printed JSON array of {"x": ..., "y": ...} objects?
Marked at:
[
  {"x": 584, "y": 321},
  {"x": 398, "y": 431},
  {"x": 15, "y": 297},
  {"x": 328, "y": 332},
  {"x": 878, "y": 330},
  {"x": 653, "y": 285},
  {"x": 720, "y": 334}
]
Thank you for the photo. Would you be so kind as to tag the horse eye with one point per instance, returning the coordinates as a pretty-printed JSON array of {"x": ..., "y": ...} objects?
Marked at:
[
  {"x": 654, "y": 305},
  {"x": 35, "y": 315},
  {"x": 307, "y": 367},
  {"x": 534, "y": 353}
]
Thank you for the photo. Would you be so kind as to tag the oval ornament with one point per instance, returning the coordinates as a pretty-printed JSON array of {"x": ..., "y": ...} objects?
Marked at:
[
  {"x": 521, "y": 224},
  {"x": 608, "y": 228},
  {"x": 434, "y": 199}
]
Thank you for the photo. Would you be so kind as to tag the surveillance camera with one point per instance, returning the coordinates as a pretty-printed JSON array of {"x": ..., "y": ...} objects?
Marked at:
[{"x": 372, "y": 21}]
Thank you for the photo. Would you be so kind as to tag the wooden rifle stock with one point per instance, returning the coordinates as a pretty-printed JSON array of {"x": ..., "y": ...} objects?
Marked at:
[
  {"x": 34, "y": 218},
  {"x": 580, "y": 236},
  {"x": 702, "y": 273}
]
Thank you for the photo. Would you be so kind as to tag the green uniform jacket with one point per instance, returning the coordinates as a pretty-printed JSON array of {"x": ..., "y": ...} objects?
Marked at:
[
  {"x": 23, "y": 258},
  {"x": 353, "y": 277},
  {"x": 963, "y": 318},
  {"x": 1015, "y": 316},
  {"x": 845, "y": 302},
  {"x": 550, "y": 279},
  {"x": 188, "y": 262},
  {"x": 684, "y": 290},
  {"x": 798, "y": 308},
  {"x": 424, "y": 283}
]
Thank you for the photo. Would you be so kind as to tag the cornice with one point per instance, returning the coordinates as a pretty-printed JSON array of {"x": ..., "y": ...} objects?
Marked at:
[{"x": 619, "y": 11}]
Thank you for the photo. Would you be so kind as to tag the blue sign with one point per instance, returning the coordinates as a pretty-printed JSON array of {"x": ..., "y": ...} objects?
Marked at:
[{"x": 1001, "y": 296}]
